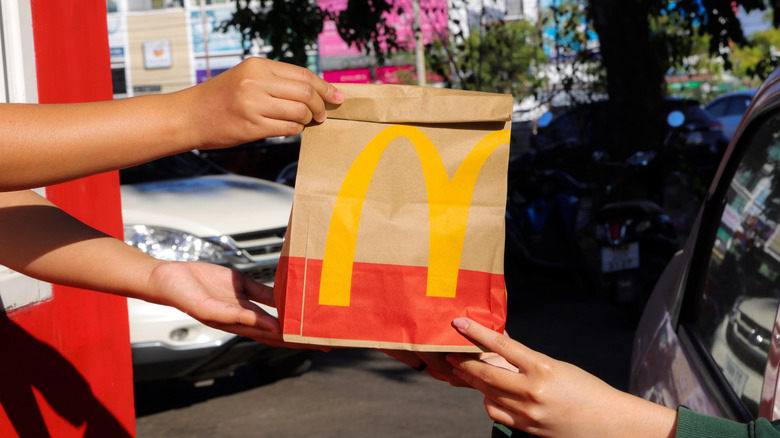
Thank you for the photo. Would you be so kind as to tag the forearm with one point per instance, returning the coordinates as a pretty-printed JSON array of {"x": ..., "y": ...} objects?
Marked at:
[
  {"x": 636, "y": 417},
  {"x": 581, "y": 404},
  {"x": 259, "y": 98},
  {"x": 47, "y": 144},
  {"x": 42, "y": 241},
  {"x": 551, "y": 398}
]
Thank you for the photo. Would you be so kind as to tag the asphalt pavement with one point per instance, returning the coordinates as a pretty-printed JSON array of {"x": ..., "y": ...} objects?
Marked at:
[{"x": 355, "y": 393}]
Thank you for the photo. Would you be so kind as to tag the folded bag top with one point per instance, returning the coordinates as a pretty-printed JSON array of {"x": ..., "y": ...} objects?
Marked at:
[
  {"x": 419, "y": 105},
  {"x": 398, "y": 220}
]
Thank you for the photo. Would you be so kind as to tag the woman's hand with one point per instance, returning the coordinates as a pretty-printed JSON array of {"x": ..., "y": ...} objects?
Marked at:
[
  {"x": 550, "y": 398},
  {"x": 258, "y": 98},
  {"x": 438, "y": 367},
  {"x": 434, "y": 364}
]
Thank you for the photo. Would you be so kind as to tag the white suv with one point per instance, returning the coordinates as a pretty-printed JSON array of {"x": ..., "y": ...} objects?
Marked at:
[{"x": 185, "y": 208}]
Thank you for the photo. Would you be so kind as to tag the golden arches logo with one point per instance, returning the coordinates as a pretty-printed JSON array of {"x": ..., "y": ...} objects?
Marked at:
[{"x": 449, "y": 201}]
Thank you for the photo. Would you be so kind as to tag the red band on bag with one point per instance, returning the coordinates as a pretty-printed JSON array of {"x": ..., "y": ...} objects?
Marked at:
[{"x": 377, "y": 316}]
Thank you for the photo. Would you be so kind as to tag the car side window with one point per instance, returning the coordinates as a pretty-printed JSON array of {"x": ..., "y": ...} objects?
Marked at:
[
  {"x": 737, "y": 106},
  {"x": 718, "y": 109},
  {"x": 734, "y": 313}
]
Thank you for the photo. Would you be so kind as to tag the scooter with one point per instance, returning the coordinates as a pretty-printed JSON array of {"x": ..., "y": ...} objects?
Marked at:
[
  {"x": 546, "y": 208},
  {"x": 637, "y": 238}
]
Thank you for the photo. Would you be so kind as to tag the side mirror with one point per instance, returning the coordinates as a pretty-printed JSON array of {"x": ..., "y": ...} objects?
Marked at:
[
  {"x": 544, "y": 120},
  {"x": 675, "y": 119}
]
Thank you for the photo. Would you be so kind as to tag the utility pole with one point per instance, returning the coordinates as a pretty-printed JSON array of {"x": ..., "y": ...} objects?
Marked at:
[
  {"x": 205, "y": 37},
  {"x": 419, "y": 49}
]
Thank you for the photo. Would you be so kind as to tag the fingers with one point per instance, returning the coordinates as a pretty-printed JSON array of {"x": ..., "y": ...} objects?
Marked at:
[
  {"x": 502, "y": 415},
  {"x": 407, "y": 357},
  {"x": 257, "y": 318},
  {"x": 514, "y": 352},
  {"x": 487, "y": 378},
  {"x": 434, "y": 364},
  {"x": 509, "y": 396},
  {"x": 439, "y": 368},
  {"x": 255, "y": 291},
  {"x": 298, "y": 84},
  {"x": 320, "y": 87}
]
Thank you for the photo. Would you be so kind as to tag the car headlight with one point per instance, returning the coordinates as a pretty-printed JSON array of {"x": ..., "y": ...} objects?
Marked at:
[{"x": 168, "y": 244}]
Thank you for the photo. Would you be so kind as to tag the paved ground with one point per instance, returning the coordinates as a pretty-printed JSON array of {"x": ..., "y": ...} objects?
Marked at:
[{"x": 351, "y": 393}]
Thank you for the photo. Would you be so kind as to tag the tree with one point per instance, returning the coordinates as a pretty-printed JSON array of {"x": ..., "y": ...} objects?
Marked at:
[
  {"x": 291, "y": 27},
  {"x": 758, "y": 58},
  {"x": 502, "y": 59},
  {"x": 363, "y": 25},
  {"x": 574, "y": 62},
  {"x": 637, "y": 55}
]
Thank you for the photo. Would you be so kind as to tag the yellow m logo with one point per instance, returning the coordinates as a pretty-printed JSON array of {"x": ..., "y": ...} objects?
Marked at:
[{"x": 449, "y": 201}]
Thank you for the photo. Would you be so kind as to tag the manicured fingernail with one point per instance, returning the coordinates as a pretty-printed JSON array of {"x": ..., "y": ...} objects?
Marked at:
[{"x": 461, "y": 324}]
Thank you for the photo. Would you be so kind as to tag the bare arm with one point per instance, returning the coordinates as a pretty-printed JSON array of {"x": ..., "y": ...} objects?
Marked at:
[
  {"x": 47, "y": 144},
  {"x": 40, "y": 240},
  {"x": 550, "y": 398}
]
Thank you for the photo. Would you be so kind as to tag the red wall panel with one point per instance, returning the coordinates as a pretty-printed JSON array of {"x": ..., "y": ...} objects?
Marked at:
[{"x": 65, "y": 366}]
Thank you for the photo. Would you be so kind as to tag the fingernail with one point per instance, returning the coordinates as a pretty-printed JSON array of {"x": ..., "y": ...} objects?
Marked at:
[
  {"x": 338, "y": 95},
  {"x": 461, "y": 324}
]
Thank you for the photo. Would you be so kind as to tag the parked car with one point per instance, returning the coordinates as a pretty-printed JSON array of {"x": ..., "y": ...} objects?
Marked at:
[
  {"x": 729, "y": 108},
  {"x": 272, "y": 159},
  {"x": 584, "y": 131},
  {"x": 185, "y": 208},
  {"x": 708, "y": 338}
]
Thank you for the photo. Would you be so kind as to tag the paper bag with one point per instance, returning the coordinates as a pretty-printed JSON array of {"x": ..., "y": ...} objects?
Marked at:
[{"x": 397, "y": 225}]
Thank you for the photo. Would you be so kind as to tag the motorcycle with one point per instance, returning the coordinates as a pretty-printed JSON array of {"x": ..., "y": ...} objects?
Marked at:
[
  {"x": 637, "y": 239},
  {"x": 546, "y": 209},
  {"x": 636, "y": 236}
]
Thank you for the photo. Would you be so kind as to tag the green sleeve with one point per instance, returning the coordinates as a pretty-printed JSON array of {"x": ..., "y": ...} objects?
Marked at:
[{"x": 691, "y": 424}]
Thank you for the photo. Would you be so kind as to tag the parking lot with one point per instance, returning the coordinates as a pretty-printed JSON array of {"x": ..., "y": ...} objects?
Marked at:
[{"x": 363, "y": 392}]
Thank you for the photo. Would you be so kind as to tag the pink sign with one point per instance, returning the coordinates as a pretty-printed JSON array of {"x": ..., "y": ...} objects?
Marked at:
[
  {"x": 384, "y": 75},
  {"x": 433, "y": 23}
]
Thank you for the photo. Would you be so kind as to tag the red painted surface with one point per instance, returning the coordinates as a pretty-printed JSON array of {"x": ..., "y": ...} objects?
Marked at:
[
  {"x": 65, "y": 367},
  {"x": 388, "y": 303}
]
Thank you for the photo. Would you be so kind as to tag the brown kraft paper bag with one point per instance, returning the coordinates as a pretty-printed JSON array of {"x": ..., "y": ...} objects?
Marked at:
[{"x": 397, "y": 224}]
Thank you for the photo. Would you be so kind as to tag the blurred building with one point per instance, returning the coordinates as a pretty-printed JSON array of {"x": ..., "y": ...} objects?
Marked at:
[{"x": 160, "y": 46}]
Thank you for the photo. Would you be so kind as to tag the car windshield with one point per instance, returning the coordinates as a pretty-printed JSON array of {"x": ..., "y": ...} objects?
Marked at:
[{"x": 185, "y": 165}]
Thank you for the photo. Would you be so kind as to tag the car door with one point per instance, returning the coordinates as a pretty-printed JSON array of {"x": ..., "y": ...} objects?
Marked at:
[
  {"x": 730, "y": 305},
  {"x": 709, "y": 338}
]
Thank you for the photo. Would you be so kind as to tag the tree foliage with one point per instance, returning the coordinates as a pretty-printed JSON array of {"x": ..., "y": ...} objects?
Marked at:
[
  {"x": 574, "y": 62},
  {"x": 362, "y": 24},
  {"x": 643, "y": 40},
  {"x": 502, "y": 58},
  {"x": 289, "y": 27},
  {"x": 756, "y": 60}
]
